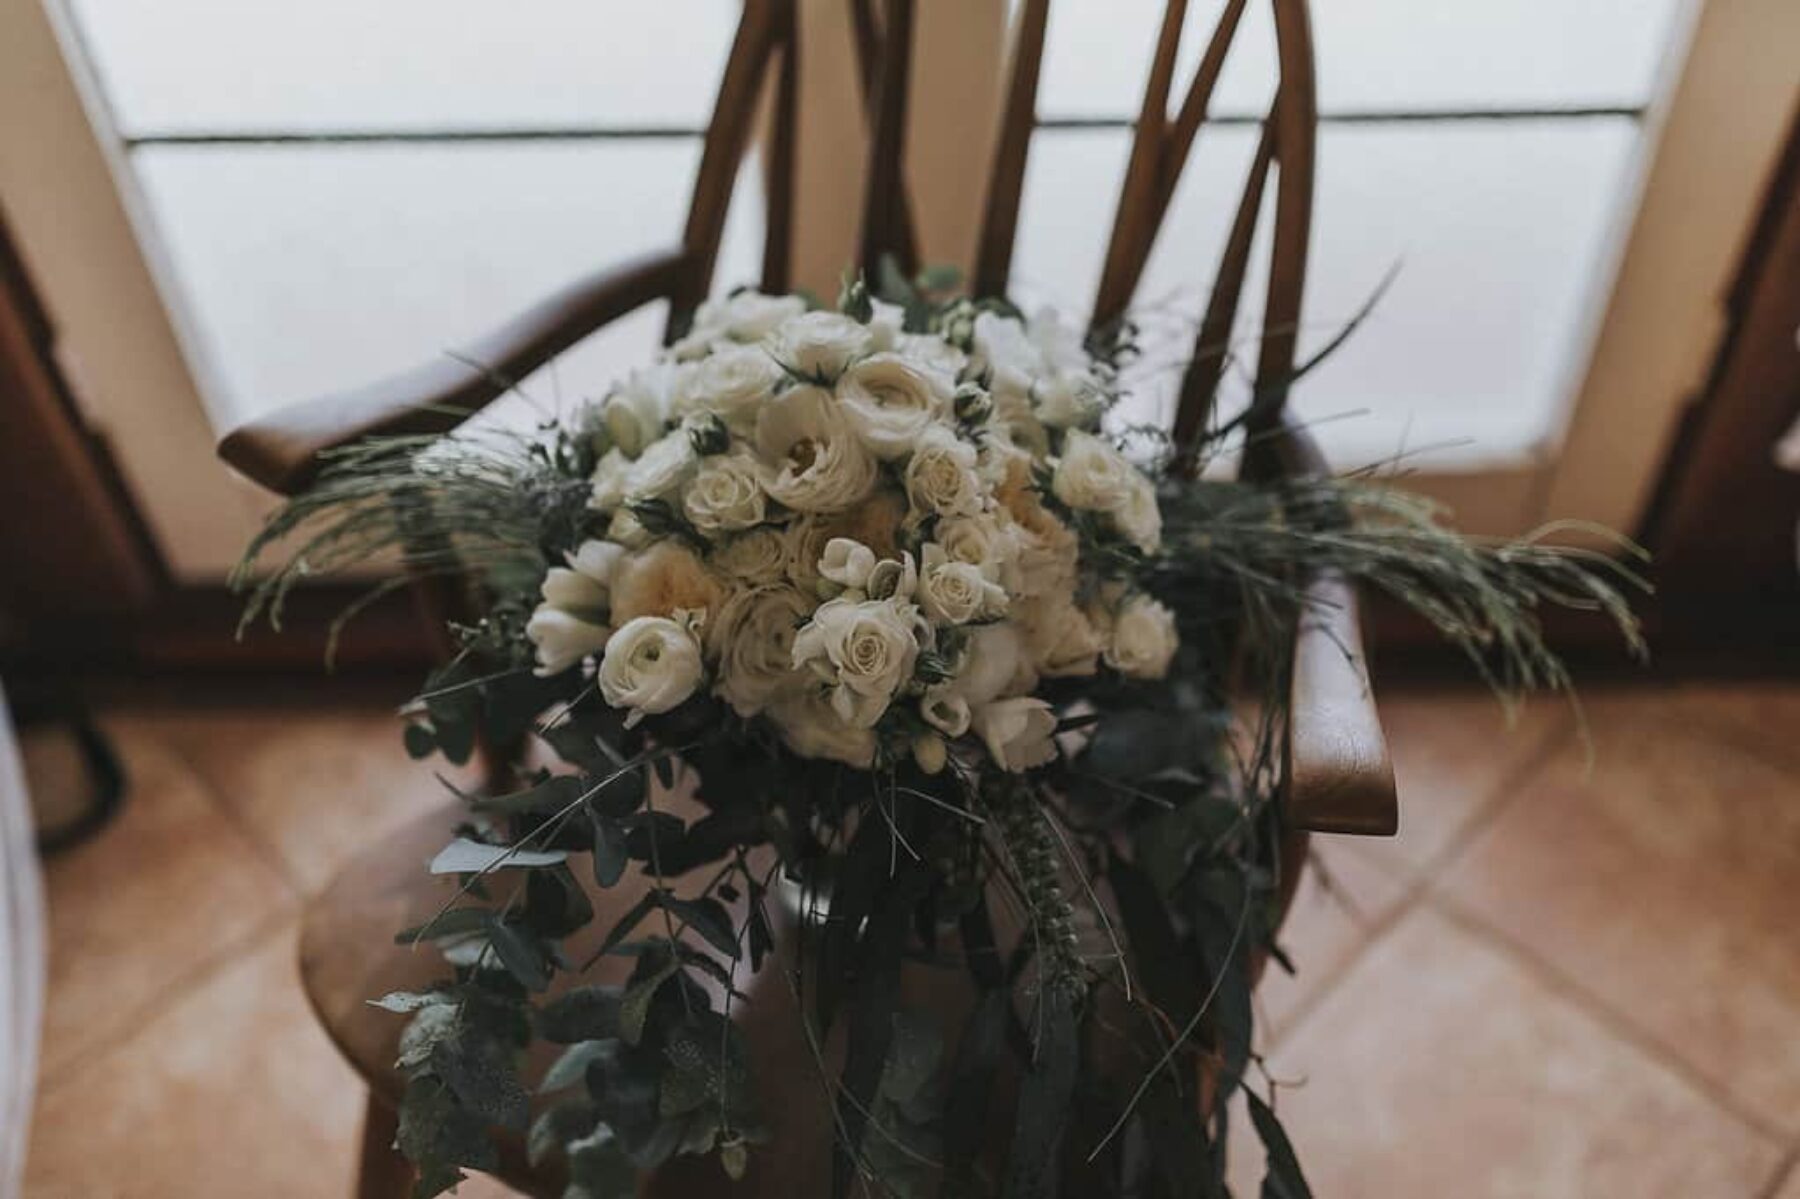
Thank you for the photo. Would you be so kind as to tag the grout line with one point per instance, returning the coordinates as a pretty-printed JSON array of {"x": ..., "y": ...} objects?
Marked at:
[
  {"x": 155, "y": 1006},
  {"x": 1619, "y": 1023},
  {"x": 1784, "y": 1170},
  {"x": 1506, "y": 792}
]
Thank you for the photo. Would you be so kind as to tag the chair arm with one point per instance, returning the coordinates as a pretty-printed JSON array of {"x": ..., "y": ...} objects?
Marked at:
[
  {"x": 1339, "y": 777},
  {"x": 283, "y": 450}
]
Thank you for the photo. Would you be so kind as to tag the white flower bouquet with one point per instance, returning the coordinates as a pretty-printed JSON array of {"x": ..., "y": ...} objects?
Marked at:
[{"x": 947, "y": 677}]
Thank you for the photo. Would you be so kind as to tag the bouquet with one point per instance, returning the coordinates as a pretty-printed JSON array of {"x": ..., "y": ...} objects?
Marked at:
[{"x": 864, "y": 642}]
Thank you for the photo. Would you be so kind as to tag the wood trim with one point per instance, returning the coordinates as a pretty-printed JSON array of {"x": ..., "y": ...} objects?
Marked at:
[{"x": 1006, "y": 179}]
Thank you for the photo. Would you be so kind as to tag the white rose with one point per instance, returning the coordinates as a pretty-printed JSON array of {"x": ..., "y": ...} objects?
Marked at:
[
  {"x": 651, "y": 664},
  {"x": 981, "y": 541},
  {"x": 733, "y": 383},
  {"x": 1018, "y": 420},
  {"x": 726, "y": 494},
  {"x": 941, "y": 476},
  {"x": 757, "y": 556},
  {"x": 609, "y": 480},
  {"x": 1065, "y": 399},
  {"x": 893, "y": 579},
  {"x": 890, "y": 401},
  {"x": 1138, "y": 518},
  {"x": 1059, "y": 344},
  {"x": 810, "y": 728},
  {"x": 749, "y": 315},
  {"x": 952, "y": 592},
  {"x": 817, "y": 464},
  {"x": 933, "y": 353},
  {"x": 994, "y": 663},
  {"x": 1048, "y": 553},
  {"x": 1006, "y": 352},
  {"x": 1091, "y": 474},
  {"x": 562, "y": 638},
  {"x": 662, "y": 468},
  {"x": 754, "y": 642},
  {"x": 863, "y": 651},
  {"x": 1061, "y": 639},
  {"x": 886, "y": 323},
  {"x": 638, "y": 408},
  {"x": 1143, "y": 639},
  {"x": 1019, "y": 732},
  {"x": 945, "y": 710},
  {"x": 847, "y": 563},
  {"x": 819, "y": 345}
]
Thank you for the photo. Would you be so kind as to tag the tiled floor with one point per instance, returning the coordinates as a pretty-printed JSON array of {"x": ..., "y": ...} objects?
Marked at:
[{"x": 1566, "y": 978}]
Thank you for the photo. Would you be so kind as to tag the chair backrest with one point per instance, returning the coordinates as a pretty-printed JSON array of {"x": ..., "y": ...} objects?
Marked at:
[{"x": 767, "y": 44}]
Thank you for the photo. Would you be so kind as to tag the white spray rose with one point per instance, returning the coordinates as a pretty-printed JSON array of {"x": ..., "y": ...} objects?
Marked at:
[
  {"x": 747, "y": 316},
  {"x": 862, "y": 651},
  {"x": 1061, "y": 639},
  {"x": 945, "y": 710},
  {"x": 933, "y": 353},
  {"x": 981, "y": 541},
  {"x": 952, "y": 592},
  {"x": 754, "y": 642},
  {"x": 609, "y": 480},
  {"x": 1091, "y": 474},
  {"x": 1059, "y": 343},
  {"x": 562, "y": 638},
  {"x": 890, "y": 401},
  {"x": 994, "y": 662},
  {"x": 756, "y": 556},
  {"x": 1003, "y": 349},
  {"x": 1019, "y": 732},
  {"x": 732, "y": 382},
  {"x": 726, "y": 494},
  {"x": 1138, "y": 518},
  {"x": 652, "y": 663},
  {"x": 941, "y": 476},
  {"x": 583, "y": 587},
  {"x": 1065, "y": 399},
  {"x": 893, "y": 579},
  {"x": 663, "y": 467},
  {"x": 811, "y": 728},
  {"x": 819, "y": 345},
  {"x": 886, "y": 323},
  {"x": 1142, "y": 639},
  {"x": 817, "y": 464},
  {"x": 637, "y": 409},
  {"x": 847, "y": 563}
]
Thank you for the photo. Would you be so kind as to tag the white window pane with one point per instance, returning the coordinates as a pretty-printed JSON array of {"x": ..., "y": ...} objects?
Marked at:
[
  {"x": 200, "y": 65},
  {"x": 1373, "y": 54},
  {"x": 1499, "y": 231},
  {"x": 309, "y": 269}
]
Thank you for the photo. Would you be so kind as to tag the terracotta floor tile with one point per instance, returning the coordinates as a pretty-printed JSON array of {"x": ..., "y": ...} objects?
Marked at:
[
  {"x": 315, "y": 785},
  {"x": 1342, "y": 899},
  {"x": 162, "y": 890},
  {"x": 231, "y": 1091},
  {"x": 1664, "y": 883},
  {"x": 1790, "y": 1187},
  {"x": 1453, "y": 751},
  {"x": 1442, "y": 1066}
]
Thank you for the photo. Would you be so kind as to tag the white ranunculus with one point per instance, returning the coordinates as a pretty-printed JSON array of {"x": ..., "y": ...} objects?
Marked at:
[
  {"x": 1020, "y": 732},
  {"x": 995, "y": 662},
  {"x": 886, "y": 323},
  {"x": 819, "y": 345},
  {"x": 662, "y": 468},
  {"x": 941, "y": 475},
  {"x": 637, "y": 409},
  {"x": 733, "y": 382},
  {"x": 1061, "y": 639},
  {"x": 945, "y": 710},
  {"x": 952, "y": 592},
  {"x": 1091, "y": 474},
  {"x": 1003, "y": 349},
  {"x": 652, "y": 663},
  {"x": 816, "y": 462},
  {"x": 1138, "y": 518},
  {"x": 609, "y": 480},
  {"x": 811, "y": 728},
  {"x": 1065, "y": 399},
  {"x": 562, "y": 638},
  {"x": 847, "y": 563},
  {"x": 981, "y": 541},
  {"x": 753, "y": 640},
  {"x": 1143, "y": 639},
  {"x": 933, "y": 353},
  {"x": 862, "y": 651},
  {"x": 890, "y": 401},
  {"x": 726, "y": 494},
  {"x": 755, "y": 556}
]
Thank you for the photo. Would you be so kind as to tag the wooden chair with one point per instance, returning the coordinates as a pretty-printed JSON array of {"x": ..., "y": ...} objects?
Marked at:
[{"x": 1338, "y": 777}]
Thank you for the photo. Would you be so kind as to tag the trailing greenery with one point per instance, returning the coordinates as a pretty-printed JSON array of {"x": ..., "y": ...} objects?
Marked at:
[{"x": 1105, "y": 913}]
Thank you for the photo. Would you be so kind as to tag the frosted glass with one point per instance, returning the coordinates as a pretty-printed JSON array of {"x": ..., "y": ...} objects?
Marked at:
[
  {"x": 308, "y": 269},
  {"x": 1499, "y": 232},
  {"x": 200, "y": 65},
  {"x": 1373, "y": 54}
]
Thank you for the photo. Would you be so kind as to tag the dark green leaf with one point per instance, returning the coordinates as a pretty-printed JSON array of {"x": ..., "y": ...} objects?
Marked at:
[
  {"x": 571, "y": 1065},
  {"x": 569, "y": 1120},
  {"x": 1046, "y": 1093},
  {"x": 581, "y": 1014},
  {"x": 706, "y": 916},
  {"x": 634, "y": 1007},
  {"x": 626, "y": 925},
  {"x": 419, "y": 741},
  {"x": 970, "y": 1088},
  {"x": 522, "y": 959},
  {"x": 1284, "y": 1179},
  {"x": 610, "y": 850},
  {"x": 545, "y": 798},
  {"x": 481, "y": 1075},
  {"x": 437, "y": 1133},
  {"x": 454, "y": 922}
]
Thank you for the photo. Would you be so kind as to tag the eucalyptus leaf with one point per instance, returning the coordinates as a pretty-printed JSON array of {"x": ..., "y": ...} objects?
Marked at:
[
  {"x": 465, "y": 856},
  {"x": 634, "y": 1007},
  {"x": 523, "y": 960},
  {"x": 1284, "y": 1179},
  {"x": 580, "y": 1014},
  {"x": 1034, "y": 1166},
  {"x": 570, "y": 1066}
]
